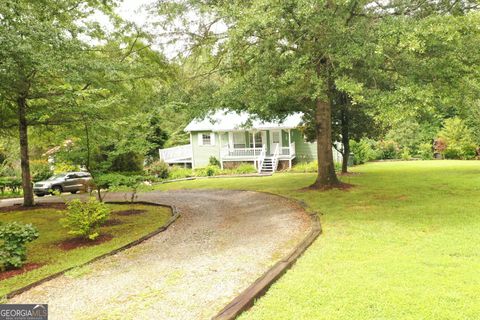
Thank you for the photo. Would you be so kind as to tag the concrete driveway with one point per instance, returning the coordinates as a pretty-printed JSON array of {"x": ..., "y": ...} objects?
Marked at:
[{"x": 222, "y": 242}]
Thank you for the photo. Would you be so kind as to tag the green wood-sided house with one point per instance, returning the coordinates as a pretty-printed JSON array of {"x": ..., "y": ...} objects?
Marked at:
[{"x": 235, "y": 138}]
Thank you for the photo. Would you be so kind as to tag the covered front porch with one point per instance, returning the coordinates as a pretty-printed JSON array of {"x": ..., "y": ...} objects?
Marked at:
[{"x": 265, "y": 148}]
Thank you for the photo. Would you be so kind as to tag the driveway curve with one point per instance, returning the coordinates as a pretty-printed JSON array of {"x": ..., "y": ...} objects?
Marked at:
[{"x": 222, "y": 242}]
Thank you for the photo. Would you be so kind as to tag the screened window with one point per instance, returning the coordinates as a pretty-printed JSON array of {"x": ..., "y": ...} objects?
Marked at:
[
  {"x": 206, "y": 139},
  {"x": 258, "y": 139},
  {"x": 239, "y": 140}
]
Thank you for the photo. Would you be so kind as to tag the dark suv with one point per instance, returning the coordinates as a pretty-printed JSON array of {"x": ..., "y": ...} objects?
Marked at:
[{"x": 65, "y": 182}]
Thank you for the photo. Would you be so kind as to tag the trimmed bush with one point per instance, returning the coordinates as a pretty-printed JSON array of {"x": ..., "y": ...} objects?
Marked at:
[
  {"x": 158, "y": 169},
  {"x": 85, "y": 218},
  {"x": 13, "y": 250}
]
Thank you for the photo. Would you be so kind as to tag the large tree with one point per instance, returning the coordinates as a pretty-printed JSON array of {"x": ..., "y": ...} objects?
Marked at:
[
  {"x": 278, "y": 57},
  {"x": 42, "y": 58}
]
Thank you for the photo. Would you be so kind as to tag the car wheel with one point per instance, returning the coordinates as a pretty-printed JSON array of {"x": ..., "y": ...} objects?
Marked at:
[
  {"x": 73, "y": 192},
  {"x": 56, "y": 189},
  {"x": 39, "y": 195}
]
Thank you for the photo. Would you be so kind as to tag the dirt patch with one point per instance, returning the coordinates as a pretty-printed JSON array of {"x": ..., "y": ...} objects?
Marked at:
[
  {"x": 341, "y": 186},
  {"x": 55, "y": 205},
  {"x": 112, "y": 222},
  {"x": 11, "y": 273},
  {"x": 130, "y": 212},
  {"x": 79, "y": 242}
]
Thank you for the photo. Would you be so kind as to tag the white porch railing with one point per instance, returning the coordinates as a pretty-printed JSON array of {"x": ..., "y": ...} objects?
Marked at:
[
  {"x": 261, "y": 158},
  {"x": 288, "y": 151},
  {"x": 275, "y": 158},
  {"x": 176, "y": 153},
  {"x": 241, "y": 152}
]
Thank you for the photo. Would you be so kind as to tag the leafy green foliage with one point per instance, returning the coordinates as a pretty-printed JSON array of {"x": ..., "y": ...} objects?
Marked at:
[
  {"x": 177, "y": 172},
  {"x": 425, "y": 151},
  {"x": 85, "y": 218},
  {"x": 40, "y": 170},
  {"x": 458, "y": 138},
  {"x": 243, "y": 168},
  {"x": 14, "y": 237},
  {"x": 363, "y": 151},
  {"x": 388, "y": 149},
  {"x": 61, "y": 167},
  {"x": 11, "y": 183},
  {"x": 213, "y": 161},
  {"x": 158, "y": 169}
]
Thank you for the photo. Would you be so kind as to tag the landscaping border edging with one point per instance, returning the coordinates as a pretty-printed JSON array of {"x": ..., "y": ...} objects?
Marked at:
[
  {"x": 246, "y": 175},
  {"x": 173, "y": 218},
  {"x": 246, "y": 299}
]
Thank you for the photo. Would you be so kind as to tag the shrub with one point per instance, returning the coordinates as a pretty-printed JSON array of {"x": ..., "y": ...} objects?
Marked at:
[
  {"x": 207, "y": 171},
  {"x": 179, "y": 173},
  {"x": 244, "y": 168},
  {"x": 388, "y": 149},
  {"x": 458, "y": 140},
  {"x": 13, "y": 250},
  {"x": 40, "y": 170},
  {"x": 84, "y": 218},
  {"x": 212, "y": 161},
  {"x": 406, "y": 154},
  {"x": 362, "y": 151},
  {"x": 11, "y": 183},
  {"x": 425, "y": 151},
  {"x": 158, "y": 169},
  {"x": 65, "y": 167},
  {"x": 127, "y": 162}
]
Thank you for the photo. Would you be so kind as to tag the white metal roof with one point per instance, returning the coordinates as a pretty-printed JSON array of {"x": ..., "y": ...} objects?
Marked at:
[{"x": 224, "y": 120}]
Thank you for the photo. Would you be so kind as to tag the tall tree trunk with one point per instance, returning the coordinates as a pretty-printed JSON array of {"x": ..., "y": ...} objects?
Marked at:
[
  {"x": 24, "y": 158},
  {"x": 345, "y": 138},
  {"x": 326, "y": 177}
]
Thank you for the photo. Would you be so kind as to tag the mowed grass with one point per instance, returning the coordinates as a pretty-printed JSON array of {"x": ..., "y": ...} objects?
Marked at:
[
  {"x": 404, "y": 243},
  {"x": 45, "y": 250}
]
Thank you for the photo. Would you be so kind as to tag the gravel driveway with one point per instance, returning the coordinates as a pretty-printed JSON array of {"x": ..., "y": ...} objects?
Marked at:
[{"x": 222, "y": 242}]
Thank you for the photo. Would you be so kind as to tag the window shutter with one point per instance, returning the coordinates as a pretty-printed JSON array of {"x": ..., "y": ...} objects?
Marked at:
[
  {"x": 212, "y": 138},
  {"x": 200, "y": 139}
]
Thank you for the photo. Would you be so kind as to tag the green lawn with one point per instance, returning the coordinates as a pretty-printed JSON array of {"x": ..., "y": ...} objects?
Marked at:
[
  {"x": 45, "y": 249},
  {"x": 403, "y": 244}
]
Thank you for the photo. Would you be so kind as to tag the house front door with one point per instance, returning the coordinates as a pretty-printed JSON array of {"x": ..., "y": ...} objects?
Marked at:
[{"x": 275, "y": 140}]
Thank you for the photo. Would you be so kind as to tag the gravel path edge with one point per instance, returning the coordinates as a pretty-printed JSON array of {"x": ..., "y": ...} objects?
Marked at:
[
  {"x": 173, "y": 218},
  {"x": 247, "y": 298}
]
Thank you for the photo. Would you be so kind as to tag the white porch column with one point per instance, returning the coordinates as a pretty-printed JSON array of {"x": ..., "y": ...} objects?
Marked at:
[
  {"x": 221, "y": 148},
  {"x": 289, "y": 149},
  {"x": 254, "y": 155}
]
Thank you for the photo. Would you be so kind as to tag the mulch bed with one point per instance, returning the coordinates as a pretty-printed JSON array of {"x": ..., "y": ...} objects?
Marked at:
[
  {"x": 130, "y": 212},
  {"x": 27, "y": 267},
  {"x": 56, "y": 205},
  {"x": 79, "y": 242}
]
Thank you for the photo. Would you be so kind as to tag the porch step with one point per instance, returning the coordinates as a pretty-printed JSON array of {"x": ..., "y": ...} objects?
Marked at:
[{"x": 267, "y": 165}]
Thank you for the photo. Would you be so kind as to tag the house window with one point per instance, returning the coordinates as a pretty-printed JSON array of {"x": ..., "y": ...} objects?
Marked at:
[
  {"x": 258, "y": 139},
  {"x": 206, "y": 139},
  {"x": 275, "y": 137},
  {"x": 239, "y": 140}
]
